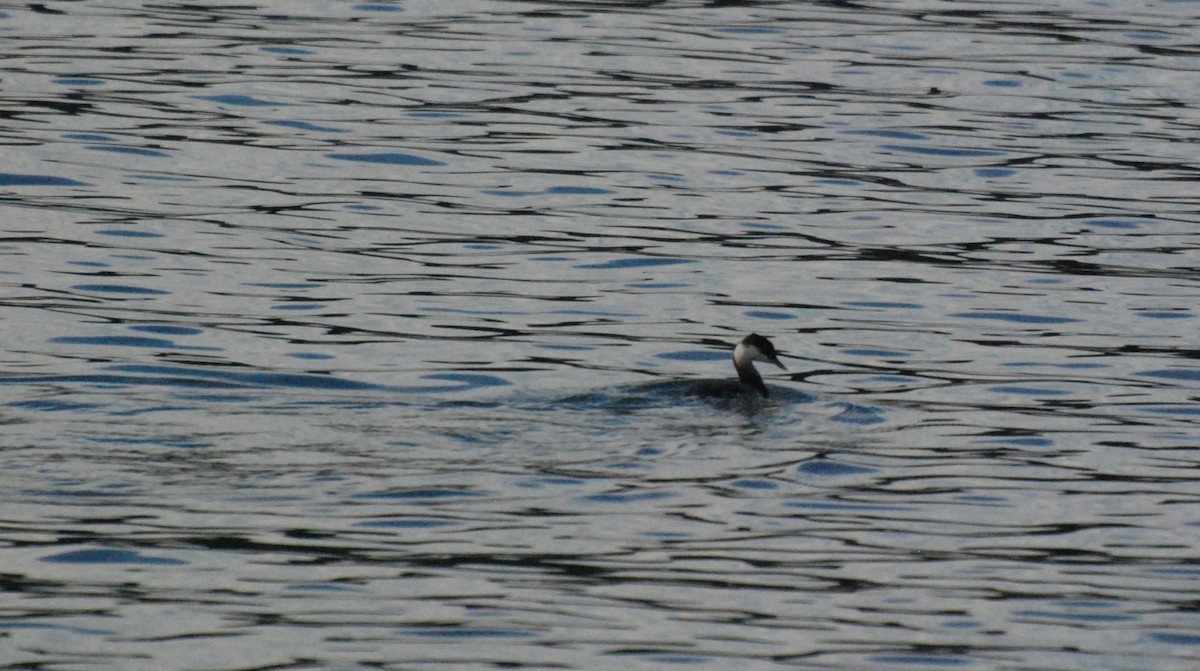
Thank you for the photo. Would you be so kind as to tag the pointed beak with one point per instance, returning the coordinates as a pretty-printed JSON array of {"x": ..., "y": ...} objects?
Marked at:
[{"x": 775, "y": 360}]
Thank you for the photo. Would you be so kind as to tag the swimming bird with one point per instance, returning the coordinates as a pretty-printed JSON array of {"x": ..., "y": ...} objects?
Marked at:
[{"x": 752, "y": 348}]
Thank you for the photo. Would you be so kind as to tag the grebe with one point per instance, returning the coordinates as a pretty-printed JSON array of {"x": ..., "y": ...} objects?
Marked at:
[{"x": 752, "y": 348}]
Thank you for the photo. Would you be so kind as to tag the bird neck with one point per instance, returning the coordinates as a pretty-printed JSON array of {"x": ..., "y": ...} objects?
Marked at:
[{"x": 743, "y": 362}]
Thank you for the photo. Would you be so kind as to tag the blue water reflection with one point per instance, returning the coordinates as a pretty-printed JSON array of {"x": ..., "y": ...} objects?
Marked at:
[
  {"x": 109, "y": 556},
  {"x": 18, "y": 179}
]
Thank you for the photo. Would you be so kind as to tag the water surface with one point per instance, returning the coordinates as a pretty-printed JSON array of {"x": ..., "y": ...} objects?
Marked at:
[{"x": 345, "y": 335}]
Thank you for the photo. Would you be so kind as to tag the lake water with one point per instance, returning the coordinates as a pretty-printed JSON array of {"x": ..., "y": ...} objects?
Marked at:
[{"x": 349, "y": 336}]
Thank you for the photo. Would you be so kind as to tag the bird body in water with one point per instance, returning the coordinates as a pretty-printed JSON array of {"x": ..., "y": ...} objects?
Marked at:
[{"x": 749, "y": 383}]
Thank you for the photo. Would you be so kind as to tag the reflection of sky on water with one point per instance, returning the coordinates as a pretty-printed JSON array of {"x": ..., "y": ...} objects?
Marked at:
[{"x": 353, "y": 334}]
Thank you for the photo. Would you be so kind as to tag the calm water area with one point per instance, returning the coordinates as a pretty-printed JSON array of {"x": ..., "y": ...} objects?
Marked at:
[{"x": 353, "y": 336}]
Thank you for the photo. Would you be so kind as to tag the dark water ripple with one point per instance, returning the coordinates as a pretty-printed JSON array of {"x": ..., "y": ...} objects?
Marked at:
[{"x": 349, "y": 335}]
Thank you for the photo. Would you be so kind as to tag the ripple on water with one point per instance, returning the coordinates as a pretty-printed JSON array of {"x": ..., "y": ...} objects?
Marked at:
[
  {"x": 359, "y": 334},
  {"x": 109, "y": 556}
]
